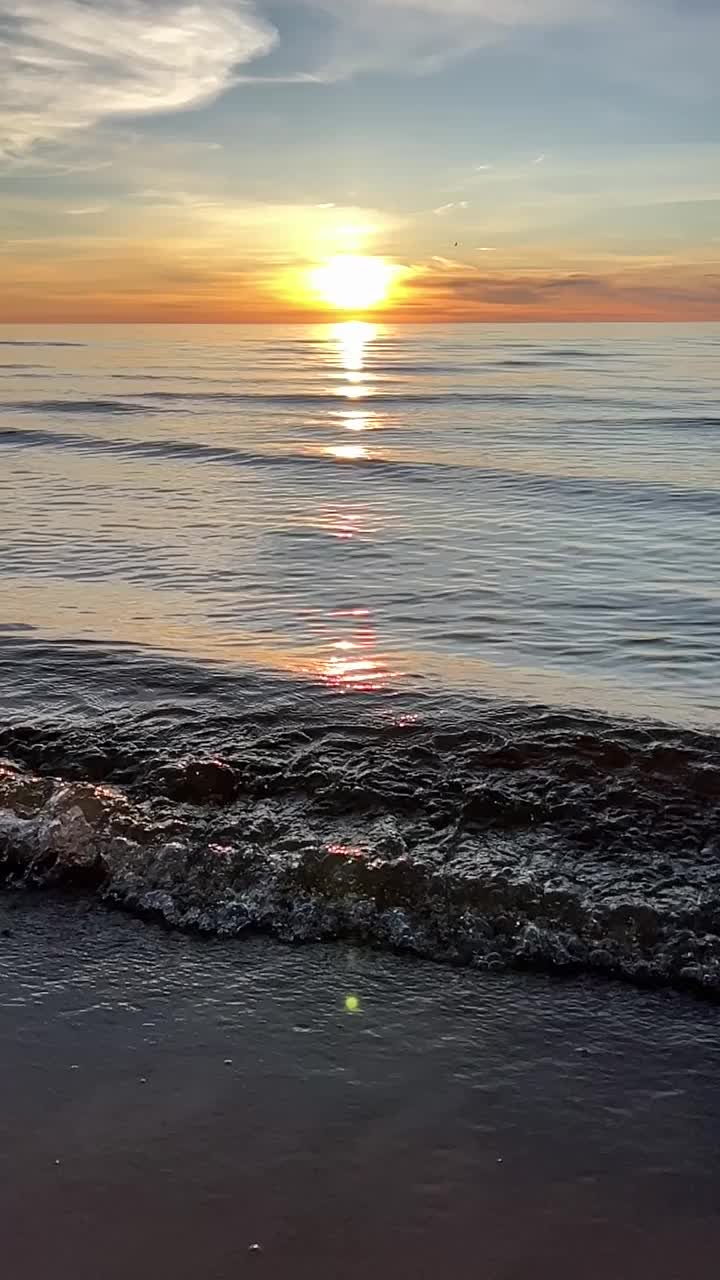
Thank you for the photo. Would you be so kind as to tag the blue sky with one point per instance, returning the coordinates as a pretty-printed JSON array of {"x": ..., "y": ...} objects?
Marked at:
[{"x": 519, "y": 158}]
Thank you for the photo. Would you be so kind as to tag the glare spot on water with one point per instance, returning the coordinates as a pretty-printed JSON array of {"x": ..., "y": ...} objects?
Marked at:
[
  {"x": 354, "y": 391},
  {"x": 353, "y": 420},
  {"x": 347, "y": 452}
]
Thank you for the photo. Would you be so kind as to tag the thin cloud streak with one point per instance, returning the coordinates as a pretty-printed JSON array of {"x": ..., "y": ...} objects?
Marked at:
[
  {"x": 420, "y": 36},
  {"x": 651, "y": 294},
  {"x": 87, "y": 212},
  {"x": 449, "y": 208}
]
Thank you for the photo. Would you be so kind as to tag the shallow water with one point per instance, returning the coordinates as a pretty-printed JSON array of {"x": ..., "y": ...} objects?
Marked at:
[
  {"x": 439, "y": 607},
  {"x": 168, "y": 1103}
]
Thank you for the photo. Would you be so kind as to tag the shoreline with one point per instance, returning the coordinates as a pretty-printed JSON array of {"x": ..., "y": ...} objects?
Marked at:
[
  {"x": 202, "y": 1097},
  {"x": 559, "y": 868}
]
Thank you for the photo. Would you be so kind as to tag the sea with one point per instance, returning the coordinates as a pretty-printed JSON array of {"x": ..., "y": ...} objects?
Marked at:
[{"x": 408, "y": 636}]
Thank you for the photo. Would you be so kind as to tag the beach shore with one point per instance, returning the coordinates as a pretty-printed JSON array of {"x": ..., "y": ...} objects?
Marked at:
[{"x": 170, "y": 1103}]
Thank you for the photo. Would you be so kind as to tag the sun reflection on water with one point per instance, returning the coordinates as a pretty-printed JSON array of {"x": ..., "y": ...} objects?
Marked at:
[
  {"x": 357, "y": 420},
  {"x": 353, "y": 338},
  {"x": 364, "y": 675},
  {"x": 356, "y": 664},
  {"x": 348, "y": 656},
  {"x": 347, "y": 452},
  {"x": 340, "y": 522},
  {"x": 351, "y": 342},
  {"x": 354, "y": 392}
]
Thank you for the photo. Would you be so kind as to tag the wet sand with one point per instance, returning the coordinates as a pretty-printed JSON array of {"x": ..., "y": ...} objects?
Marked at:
[{"x": 167, "y": 1103}]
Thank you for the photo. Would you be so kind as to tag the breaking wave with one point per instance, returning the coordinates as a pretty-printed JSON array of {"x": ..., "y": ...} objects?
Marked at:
[{"x": 532, "y": 838}]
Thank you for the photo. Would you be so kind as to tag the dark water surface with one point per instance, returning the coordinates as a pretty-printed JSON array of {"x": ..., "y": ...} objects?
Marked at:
[
  {"x": 168, "y": 1103},
  {"x": 405, "y": 635}
]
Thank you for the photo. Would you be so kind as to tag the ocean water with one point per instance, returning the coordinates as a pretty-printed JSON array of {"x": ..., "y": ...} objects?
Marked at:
[{"x": 405, "y": 634}]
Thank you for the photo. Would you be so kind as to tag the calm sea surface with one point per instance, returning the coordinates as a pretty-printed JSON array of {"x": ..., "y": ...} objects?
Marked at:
[
  {"x": 528, "y": 511},
  {"x": 211, "y": 534}
]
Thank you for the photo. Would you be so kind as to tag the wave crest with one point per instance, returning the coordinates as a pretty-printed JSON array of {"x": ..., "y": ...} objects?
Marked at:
[{"x": 566, "y": 851}]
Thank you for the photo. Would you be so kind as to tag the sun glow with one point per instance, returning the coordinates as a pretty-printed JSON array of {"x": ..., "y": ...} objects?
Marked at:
[{"x": 352, "y": 282}]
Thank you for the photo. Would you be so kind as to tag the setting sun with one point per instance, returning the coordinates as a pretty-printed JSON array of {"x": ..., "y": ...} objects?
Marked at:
[{"x": 354, "y": 283}]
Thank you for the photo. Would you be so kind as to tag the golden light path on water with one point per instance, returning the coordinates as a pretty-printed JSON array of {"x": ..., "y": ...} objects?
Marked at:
[
  {"x": 351, "y": 342},
  {"x": 353, "y": 662},
  {"x": 350, "y": 658}
]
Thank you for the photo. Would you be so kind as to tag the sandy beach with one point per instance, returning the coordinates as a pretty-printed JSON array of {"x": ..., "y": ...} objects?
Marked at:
[{"x": 170, "y": 1103}]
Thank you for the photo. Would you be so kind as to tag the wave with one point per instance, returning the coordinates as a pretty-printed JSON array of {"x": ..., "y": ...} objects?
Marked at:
[
  {"x": 548, "y": 356},
  {"x": 526, "y": 838},
  {"x": 373, "y": 367},
  {"x": 76, "y": 406},
  {"x": 301, "y": 400},
  {"x": 700, "y": 423},
  {"x": 153, "y": 402},
  {"x": 521, "y": 364},
  {"x": 530, "y": 483},
  {"x": 578, "y": 353},
  {"x": 321, "y": 400},
  {"x": 147, "y": 402},
  {"x": 37, "y": 342}
]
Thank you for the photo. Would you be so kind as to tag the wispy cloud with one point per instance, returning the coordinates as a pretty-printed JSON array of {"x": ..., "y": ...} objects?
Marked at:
[
  {"x": 444, "y": 209},
  {"x": 447, "y": 263},
  {"x": 69, "y": 64},
  {"x": 417, "y": 36},
  {"x": 85, "y": 212},
  {"x": 65, "y": 64}
]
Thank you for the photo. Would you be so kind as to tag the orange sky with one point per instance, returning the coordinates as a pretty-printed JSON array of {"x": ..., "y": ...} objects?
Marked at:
[
  {"x": 530, "y": 160},
  {"x": 100, "y": 281}
]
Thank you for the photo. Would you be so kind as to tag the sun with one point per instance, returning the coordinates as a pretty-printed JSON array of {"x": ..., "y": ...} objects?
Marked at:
[{"x": 352, "y": 282}]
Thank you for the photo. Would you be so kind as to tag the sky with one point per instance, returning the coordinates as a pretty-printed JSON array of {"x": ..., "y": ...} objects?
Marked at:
[{"x": 511, "y": 160}]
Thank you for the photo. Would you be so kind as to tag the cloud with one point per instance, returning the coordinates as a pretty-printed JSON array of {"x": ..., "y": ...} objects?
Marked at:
[
  {"x": 67, "y": 64},
  {"x": 417, "y": 36},
  {"x": 450, "y": 264},
  {"x": 650, "y": 294},
  {"x": 86, "y": 211},
  {"x": 448, "y": 208}
]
